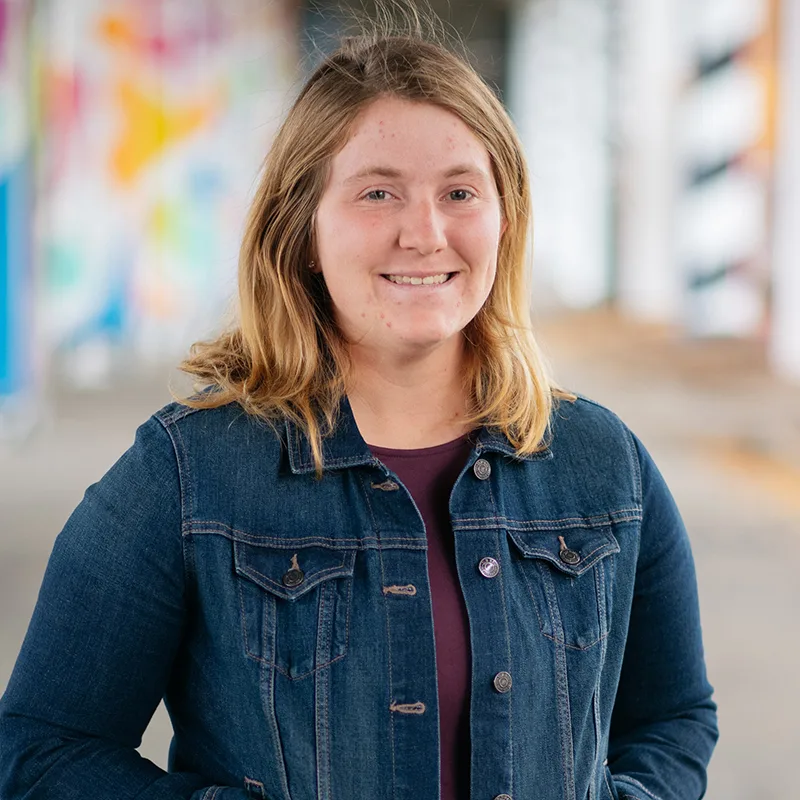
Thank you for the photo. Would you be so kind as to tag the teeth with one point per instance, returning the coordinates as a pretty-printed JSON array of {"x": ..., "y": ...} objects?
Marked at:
[{"x": 427, "y": 281}]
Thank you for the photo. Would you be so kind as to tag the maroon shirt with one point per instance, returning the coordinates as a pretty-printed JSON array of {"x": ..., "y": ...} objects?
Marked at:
[{"x": 429, "y": 474}]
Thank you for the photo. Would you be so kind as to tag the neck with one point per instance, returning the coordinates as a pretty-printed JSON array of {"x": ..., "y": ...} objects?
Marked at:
[{"x": 409, "y": 402}]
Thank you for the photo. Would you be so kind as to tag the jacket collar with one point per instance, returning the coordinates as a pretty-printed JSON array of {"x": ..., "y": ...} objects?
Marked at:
[{"x": 345, "y": 447}]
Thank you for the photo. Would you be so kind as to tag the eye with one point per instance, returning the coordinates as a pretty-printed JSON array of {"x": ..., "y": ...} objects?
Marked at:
[
  {"x": 461, "y": 195},
  {"x": 377, "y": 194}
]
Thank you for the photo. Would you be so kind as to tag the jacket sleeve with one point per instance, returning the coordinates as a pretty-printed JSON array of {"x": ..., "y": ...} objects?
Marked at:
[
  {"x": 664, "y": 723},
  {"x": 100, "y": 646}
]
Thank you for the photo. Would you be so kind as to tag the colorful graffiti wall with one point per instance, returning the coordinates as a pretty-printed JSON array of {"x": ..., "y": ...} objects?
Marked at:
[{"x": 156, "y": 115}]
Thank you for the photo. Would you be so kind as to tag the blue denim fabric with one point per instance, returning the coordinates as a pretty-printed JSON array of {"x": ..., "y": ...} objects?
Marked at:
[{"x": 169, "y": 580}]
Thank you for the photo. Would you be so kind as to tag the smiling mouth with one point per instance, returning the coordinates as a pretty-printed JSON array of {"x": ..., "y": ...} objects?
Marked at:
[{"x": 428, "y": 280}]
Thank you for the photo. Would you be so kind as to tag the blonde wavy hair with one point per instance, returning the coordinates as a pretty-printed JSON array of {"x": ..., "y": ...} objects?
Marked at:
[{"x": 286, "y": 356}]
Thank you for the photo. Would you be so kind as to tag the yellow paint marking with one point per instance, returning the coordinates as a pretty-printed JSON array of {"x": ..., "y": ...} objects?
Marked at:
[{"x": 150, "y": 127}]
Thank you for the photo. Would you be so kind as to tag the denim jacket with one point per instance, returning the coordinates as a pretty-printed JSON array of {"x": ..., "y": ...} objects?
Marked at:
[{"x": 286, "y": 621}]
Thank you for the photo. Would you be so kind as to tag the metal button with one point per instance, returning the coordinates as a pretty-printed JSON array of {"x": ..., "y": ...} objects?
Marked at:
[
  {"x": 488, "y": 567},
  {"x": 503, "y": 797},
  {"x": 482, "y": 469},
  {"x": 502, "y": 682},
  {"x": 569, "y": 556},
  {"x": 294, "y": 577}
]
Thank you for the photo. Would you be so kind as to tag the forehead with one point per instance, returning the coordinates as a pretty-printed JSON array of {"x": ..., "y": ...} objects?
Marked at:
[{"x": 406, "y": 135}]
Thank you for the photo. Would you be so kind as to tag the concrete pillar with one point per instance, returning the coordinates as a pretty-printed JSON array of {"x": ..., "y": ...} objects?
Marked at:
[
  {"x": 785, "y": 334},
  {"x": 651, "y": 68},
  {"x": 558, "y": 95}
]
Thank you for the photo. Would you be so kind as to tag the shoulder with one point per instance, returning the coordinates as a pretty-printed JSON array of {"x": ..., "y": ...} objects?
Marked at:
[
  {"x": 210, "y": 434},
  {"x": 586, "y": 423},
  {"x": 592, "y": 448},
  {"x": 176, "y": 414}
]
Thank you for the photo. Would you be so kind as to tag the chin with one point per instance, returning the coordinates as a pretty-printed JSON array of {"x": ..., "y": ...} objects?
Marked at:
[{"x": 428, "y": 340}]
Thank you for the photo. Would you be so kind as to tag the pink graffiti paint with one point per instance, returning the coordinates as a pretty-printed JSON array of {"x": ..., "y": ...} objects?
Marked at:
[
  {"x": 3, "y": 25},
  {"x": 62, "y": 93},
  {"x": 143, "y": 33}
]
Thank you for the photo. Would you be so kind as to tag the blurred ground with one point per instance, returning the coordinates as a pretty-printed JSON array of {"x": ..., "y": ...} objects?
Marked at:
[{"x": 724, "y": 432}]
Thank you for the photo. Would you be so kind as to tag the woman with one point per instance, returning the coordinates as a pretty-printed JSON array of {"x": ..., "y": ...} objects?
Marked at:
[{"x": 413, "y": 568}]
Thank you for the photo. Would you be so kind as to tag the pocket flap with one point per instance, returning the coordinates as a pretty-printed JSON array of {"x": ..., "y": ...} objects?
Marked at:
[
  {"x": 571, "y": 550},
  {"x": 289, "y": 574}
]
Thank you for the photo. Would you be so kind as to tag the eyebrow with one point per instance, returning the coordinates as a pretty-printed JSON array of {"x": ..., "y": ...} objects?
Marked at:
[{"x": 390, "y": 172}]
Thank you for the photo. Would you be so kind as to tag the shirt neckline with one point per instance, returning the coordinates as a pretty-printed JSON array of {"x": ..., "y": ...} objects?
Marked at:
[{"x": 420, "y": 451}]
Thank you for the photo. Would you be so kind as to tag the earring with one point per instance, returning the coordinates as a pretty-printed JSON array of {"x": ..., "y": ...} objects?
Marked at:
[{"x": 312, "y": 265}]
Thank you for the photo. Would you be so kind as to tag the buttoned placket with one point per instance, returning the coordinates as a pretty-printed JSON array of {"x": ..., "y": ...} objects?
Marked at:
[
  {"x": 491, "y": 684},
  {"x": 480, "y": 567},
  {"x": 413, "y": 682}
]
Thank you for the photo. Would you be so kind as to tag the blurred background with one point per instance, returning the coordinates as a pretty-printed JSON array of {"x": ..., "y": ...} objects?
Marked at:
[{"x": 664, "y": 143}]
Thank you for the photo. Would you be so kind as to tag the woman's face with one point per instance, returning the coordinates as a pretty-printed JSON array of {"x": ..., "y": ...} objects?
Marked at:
[{"x": 408, "y": 228}]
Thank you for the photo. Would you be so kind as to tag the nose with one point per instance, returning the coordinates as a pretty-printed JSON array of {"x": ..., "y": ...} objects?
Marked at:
[{"x": 422, "y": 228}]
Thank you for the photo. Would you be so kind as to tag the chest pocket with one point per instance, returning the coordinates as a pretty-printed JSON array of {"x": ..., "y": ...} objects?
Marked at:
[
  {"x": 295, "y": 605},
  {"x": 570, "y": 575}
]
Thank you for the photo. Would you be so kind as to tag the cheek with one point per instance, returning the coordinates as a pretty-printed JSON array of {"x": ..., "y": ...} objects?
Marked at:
[
  {"x": 485, "y": 230},
  {"x": 351, "y": 289},
  {"x": 488, "y": 282},
  {"x": 484, "y": 254},
  {"x": 483, "y": 246},
  {"x": 348, "y": 246}
]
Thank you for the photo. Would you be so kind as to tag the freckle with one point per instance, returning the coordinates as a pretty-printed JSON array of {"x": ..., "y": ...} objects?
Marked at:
[
  {"x": 383, "y": 316},
  {"x": 363, "y": 314}
]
